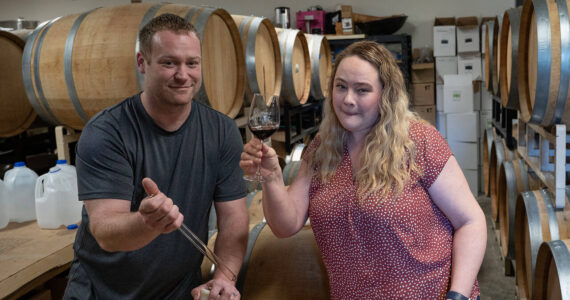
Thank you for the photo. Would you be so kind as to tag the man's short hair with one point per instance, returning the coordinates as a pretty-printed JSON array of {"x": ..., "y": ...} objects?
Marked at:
[{"x": 170, "y": 22}]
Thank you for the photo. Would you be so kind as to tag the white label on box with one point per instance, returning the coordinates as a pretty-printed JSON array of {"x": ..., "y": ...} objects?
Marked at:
[
  {"x": 347, "y": 24},
  {"x": 457, "y": 95}
]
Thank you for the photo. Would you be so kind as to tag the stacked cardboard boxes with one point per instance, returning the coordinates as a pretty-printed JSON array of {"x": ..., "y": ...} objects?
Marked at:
[
  {"x": 458, "y": 92},
  {"x": 423, "y": 89}
]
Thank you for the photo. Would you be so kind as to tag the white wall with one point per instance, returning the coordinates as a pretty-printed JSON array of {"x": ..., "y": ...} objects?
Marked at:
[{"x": 419, "y": 24}]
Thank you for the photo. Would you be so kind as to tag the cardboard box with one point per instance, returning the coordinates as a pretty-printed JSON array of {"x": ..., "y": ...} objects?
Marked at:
[
  {"x": 427, "y": 112},
  {"x": 446, "y": 65},
  {"x": 457, "y": 94},
  {"x": 444, "y": 37},
  {"x": 346, "y": 19},
  {"x": 486, "y": 99},
  {"x": 439, "y": 97},
  {"x": 472, "y": 177},
  {"x": 440, "y": 121},
  {"x": 423, "y": 94},
  {"x": 463, "y": 127},
  {"x": 423, "y": 73},
  {"x": 465, "y": 153},
  {"x": 476, "y": 95},
  {"x": 470, "y": 64},
  {"x": 467, "y": 35}
]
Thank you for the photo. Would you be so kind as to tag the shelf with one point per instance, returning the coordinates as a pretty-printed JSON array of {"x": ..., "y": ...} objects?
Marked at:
[
  {"x": 534, "y": 146},
  {"x": 333, "y": 37},
  {"x": 300, "y": 121}
]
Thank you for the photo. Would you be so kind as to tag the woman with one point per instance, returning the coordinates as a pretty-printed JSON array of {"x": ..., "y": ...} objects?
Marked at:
[{"x": 389, "y": 205}]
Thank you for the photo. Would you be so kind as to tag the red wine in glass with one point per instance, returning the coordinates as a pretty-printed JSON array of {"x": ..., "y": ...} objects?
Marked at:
[
  {"x": 262, "y": 132},
  {"x": 263, "y": 121}
]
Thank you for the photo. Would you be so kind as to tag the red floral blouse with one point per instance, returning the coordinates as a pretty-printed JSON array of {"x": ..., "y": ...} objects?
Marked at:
[{"x": 385, "y": 248}]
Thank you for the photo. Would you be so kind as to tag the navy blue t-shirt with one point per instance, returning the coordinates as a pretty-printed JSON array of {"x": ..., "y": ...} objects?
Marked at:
[{"x": 195, "y": 165}]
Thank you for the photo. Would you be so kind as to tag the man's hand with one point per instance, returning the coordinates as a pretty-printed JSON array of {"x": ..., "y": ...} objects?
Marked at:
[
  {"x": 157, "y": 210},
  {"x": 219, "y": 289}
]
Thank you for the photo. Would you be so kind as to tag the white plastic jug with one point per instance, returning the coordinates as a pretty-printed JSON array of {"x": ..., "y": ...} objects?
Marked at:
[
  {"x": 74, "y": 205},
  {"x": 56, "y": 199},
  {"x": 20, "y": 184},
  {"x": 4, "y": 217}
]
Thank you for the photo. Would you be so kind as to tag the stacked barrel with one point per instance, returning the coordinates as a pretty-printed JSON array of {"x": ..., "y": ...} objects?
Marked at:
[
  {"x": 66, "y": 64},
  {"x": 527, "y": 66},
  {"x": 16, "y": 113}
]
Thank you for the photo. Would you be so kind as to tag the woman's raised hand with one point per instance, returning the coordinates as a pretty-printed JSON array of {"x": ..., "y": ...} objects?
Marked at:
[{"x": 256, "y": 153}]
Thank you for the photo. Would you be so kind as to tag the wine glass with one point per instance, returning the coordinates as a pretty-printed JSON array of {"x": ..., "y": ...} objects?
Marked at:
[{"x": 263, "y": 121}]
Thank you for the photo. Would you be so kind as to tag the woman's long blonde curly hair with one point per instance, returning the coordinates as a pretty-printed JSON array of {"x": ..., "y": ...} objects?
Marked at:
[{"x": 388, "y": 156}]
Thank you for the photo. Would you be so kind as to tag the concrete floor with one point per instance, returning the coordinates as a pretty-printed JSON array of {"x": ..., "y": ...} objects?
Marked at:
[{"x": 492, "y": 280}]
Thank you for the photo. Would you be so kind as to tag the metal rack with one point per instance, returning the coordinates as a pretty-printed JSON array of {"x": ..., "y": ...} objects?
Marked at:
[
  {"x": 301, "y": 121},
  {"x": 503, "y": 121},
  {"x": 545, "y": 153},
  {"x": 543, "y": 150}
]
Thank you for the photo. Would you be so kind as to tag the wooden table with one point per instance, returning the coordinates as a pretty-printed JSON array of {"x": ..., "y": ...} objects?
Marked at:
[{"x": 30, "y": 256}]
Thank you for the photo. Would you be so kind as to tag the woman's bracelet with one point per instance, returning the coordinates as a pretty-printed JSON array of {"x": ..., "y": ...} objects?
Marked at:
[{"x": 455, "y": 296}]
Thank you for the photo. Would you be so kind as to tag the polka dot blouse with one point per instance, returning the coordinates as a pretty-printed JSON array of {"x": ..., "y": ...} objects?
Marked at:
[{"x": 389, "y": 248}]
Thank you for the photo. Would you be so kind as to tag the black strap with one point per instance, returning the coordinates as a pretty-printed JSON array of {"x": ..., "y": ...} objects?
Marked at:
[{"x": 455, "y": 296}]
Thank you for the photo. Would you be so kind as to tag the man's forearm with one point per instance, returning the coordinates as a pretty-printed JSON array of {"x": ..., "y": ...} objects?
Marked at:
[
  {"x": 122, "y": 232},
  {"x": 231, "y": 245}
]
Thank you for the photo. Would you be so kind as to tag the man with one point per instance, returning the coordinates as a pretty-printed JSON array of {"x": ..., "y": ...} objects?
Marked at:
[{"x": 150, "y": 163}]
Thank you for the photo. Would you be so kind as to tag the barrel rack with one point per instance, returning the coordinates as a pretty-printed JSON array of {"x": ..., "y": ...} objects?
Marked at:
[
  {"x": 503, "y": 121},
  {"x": 543, "y": 149}
]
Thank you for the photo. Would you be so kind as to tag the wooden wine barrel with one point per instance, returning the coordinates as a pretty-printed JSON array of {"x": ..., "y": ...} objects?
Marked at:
[
  {"x": 16, "y": 113},
  {"x": 254, "y": 208},
  {"x": 499, "y": 153},
  {"x": 297, "y": 151},
  {"x": 262, "y": 56},
  {"x": 536, "y": 221},
  {"x": 490, "y": 40},
  {"x": 508, "y": 53},
  {"x": 489, "y": 136},
  {"x": 552, "y": 274},
  {"x": 543, "y": 60},
  {"x": 296, "y": 66},
  {"x": 321, "y": 64},
  {"x": 496, "y": 66},
  {"x": 290, "y": 171},
  {"x": 97, "y": 52},
  {"x": 513, "y": 180},
  {"x": 279, "y": 268}
]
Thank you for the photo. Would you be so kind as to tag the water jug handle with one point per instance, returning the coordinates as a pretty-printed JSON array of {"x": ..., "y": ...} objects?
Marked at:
[{"x": 39, "y": 186}]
